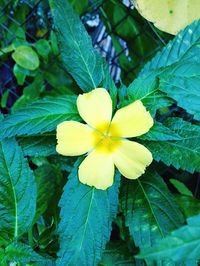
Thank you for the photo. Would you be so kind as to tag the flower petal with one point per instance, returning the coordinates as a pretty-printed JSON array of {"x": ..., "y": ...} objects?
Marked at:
[
  {"x": 97, "y": 170},
  {"x": 95, "y": 107},
  {"x": 131, "y": 121},
  {"x": 131, "y": 158},
  {"x": 74, "y": 138}
]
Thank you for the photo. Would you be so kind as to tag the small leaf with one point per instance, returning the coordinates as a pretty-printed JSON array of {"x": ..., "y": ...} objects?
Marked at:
[
  {"x": 20, "y": 74},
  {"x": 150, "y": 209},
  {"x": 39, "y": 117},
  {"x": 189, "y": 205},
  {"x": 86, "y": 217},
  {"x": 181, "y": 245},
  {"x": 181, "y": 187},
  {"x": 43, "y": 48},
  {"x": 18, "y": 190},
  {"x": 26, "y": 57}
]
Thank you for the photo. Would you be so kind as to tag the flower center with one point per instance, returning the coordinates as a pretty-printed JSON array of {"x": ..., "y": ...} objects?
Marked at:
[{"x": 105, "y": 140}]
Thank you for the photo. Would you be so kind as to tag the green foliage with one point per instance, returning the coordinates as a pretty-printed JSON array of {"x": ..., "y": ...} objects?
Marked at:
[
  {"x": 26, "y": 57},
  {"x": 182, "y": 189},
  {"x": 183, "y": 153},
  {"x": 86, "y": 217},
  {"x": 181, "y": 83},
  {"x": 78, "y": 55},
  {"x": 39, "y": 117},
  {"x": 18, "y": 190},
  {"x": 150, "y": 209},
  {"x": 182, "y": 244}
]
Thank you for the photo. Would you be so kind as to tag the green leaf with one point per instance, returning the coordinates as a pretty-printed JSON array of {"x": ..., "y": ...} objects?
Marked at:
[
  {"x": 20, "y": 74},
  {"x": 185, "y": 46},
  {"x": 150, "y": 210},
  {"x": 38, "y": 145},
  {"x": 181, "y": 245},
  {"x": 39, "y": 117},
  {"x": 18, "y": 190},
  {"x": 117, "y": 254},
  {"x": 183, "y": 153},
  {"x": 78, "y": 55},
  {"x": 26, "y": 57},
  {"x": 181, "y": 187},
  {"x": 146, "y": 89},
  {"x": 159, "y": 132},
  {"x": 189, "y": 205},
  {"x": 182, "y": 83},
  {"x": 43, "y": 48},
  {"x": 86, "y": 218},
  {"x": 4, "y": 98},
  {"x": 20, "y": 252}
]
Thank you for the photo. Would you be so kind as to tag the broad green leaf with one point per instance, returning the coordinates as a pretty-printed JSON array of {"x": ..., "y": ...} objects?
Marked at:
[
  {"x": 26, "y": 57},
  {"x": 183, "y": 153},
  {"x": 19, "y": 252},
  {"x": 18, "y": 190},
  {"x": 150, "y": 210},
  {"x": 78, "y": 55},
  {"x": 185, "y": 46},
  {"x": 181, "y": 187},
  {"x": 169, "y": 16},
  {"x": 117, "y": 254},
  {"x": 86, "y": 218},
  {"x": 159, "y": 132},
  {"x": 146, "y": 89},
  {"x": 181, "y": 83},
  {"x": 181, "y": 245},
  {"x": 38, "y": 145},
  {"x": 39, "y": 117}
]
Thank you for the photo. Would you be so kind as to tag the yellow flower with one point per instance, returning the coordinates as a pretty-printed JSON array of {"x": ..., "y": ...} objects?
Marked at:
[{"x": 104, "y": 139}]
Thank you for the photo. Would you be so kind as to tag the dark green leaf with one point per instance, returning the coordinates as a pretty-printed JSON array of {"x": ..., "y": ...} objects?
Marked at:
[
  {"x": 18, "y": 190},
  {"x": 189, "y": 205},
  {"x": 77, "y": 52},
  {"x": 183, "y": 153},
  {"x": 150, "y": 209},
  {"x": 86, "y": 218},
  {"x": 43, "y": 48},
  {"x": 39, "y": 117},
  {"x": 182, "y": 244}
]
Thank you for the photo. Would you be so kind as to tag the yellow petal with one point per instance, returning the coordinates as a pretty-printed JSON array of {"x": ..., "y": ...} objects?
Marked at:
[
  {"x": 97, "y": 170},
  {"x": 95, "y": 108},
  {"x": 74, "y": 138},
  {"x": 171, "y": 15},
  {"x": 131, "y": 159},
  {"x": 131, "y": 121}
]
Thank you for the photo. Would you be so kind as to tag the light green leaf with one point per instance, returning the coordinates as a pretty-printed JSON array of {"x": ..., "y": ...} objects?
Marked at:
[
  {"x": 26, "y": 57},
  {"x": 181, "y": 245},
  {"x": 185, "y": 46},
  {"x": 86, "y": 217},
  {"x": 20, "y": 74},
  {"x": 182, "y": 83},
  {"x": 39, "y": 117},
  {"x": 19, "y": 252},
  {"x": 4, "y": 98},
  {"x": 183, "y": 153},
  {"x": 150, "y": 210},
  {"x": 181, "y": 187},
  {"x": 78, "y": 55},
  {"x": 159, "y": 132},
  {"x": 38, "y": 145},
  {"x": 18, "y": 190},
  {"x": 43, "y": 48}
]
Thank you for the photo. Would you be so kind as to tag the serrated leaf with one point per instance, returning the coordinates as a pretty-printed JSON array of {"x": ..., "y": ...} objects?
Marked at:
[
  {"x": 86, "y": 218},
  {"x": 146, "y": 89},
  {"x": 78, "y": 55},
  {"x": 183, "y": 153},
  {"x": 20, "y": 252},
  {"x": 17, "y": 190},
  {"x": 159, "y": 132},
  {"x": 39, "y": 117},
  {"x": 181, "y": 245},
  {"x": 38, "y": 145},
  {"x": 182, "y": 83},
  {"x": 185, "y": 46},
  {"x": 150, "y": 209}
]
